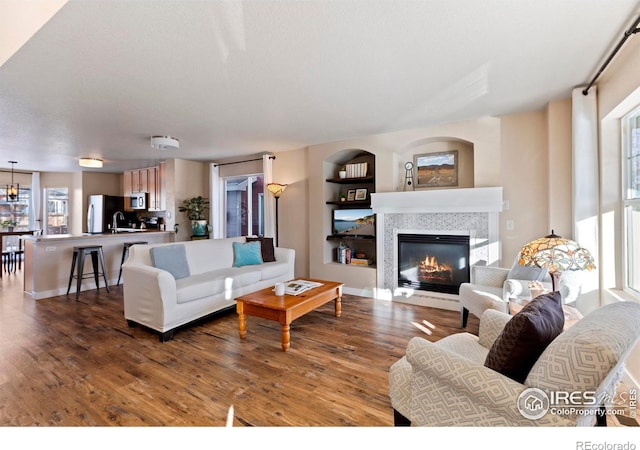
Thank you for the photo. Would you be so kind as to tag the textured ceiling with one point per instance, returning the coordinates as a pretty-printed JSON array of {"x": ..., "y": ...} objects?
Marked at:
[{"x": 232, "y": 78}]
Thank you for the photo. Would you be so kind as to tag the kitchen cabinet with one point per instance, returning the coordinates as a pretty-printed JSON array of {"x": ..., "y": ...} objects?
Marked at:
[
  {"x": 154, "y": 188},
  {"x": 147, "y": 180}
]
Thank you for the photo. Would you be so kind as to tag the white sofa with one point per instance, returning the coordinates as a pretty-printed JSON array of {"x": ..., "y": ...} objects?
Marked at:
[{"x": 157, "y": 300}]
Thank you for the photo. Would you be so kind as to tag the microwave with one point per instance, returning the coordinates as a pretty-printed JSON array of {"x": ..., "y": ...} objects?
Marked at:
[{"x": 138, "y": 200}]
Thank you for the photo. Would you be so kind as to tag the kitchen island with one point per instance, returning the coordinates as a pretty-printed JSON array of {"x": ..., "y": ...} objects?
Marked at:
[{"x": 47, "y": 259}]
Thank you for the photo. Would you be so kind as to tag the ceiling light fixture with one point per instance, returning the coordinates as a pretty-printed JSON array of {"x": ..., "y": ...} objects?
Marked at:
[
  {"x": 13, "y": 191},
  {"x": 165, "y": 143},
  {"x": 94, "y": 163}
]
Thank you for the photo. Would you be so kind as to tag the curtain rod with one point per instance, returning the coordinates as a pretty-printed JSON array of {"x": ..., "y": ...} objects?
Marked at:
[
  {"x": 633, "y": 29},
  {"x": 246, "y": 160}
]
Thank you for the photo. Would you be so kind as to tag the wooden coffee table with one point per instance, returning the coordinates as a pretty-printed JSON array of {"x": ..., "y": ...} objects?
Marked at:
[{"x": 286, "y": 308}]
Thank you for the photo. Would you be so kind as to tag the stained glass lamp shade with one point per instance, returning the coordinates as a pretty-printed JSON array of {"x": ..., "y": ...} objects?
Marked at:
[{"x": 557, "y": 255}]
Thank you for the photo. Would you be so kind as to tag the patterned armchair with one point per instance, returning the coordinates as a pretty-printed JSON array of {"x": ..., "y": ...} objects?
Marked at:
[{"x": 446, "y": 383}]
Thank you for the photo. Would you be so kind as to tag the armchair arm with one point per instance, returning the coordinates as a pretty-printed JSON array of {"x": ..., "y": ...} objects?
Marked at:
[
  {"x": 450, "y": 390},
  {"x": 519, "y": 288},
  {"x": 491, "y": 324},
  {"x": 489, "y": 276}
]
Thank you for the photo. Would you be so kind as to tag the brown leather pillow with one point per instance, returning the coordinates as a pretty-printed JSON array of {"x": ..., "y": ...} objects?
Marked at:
[
  {"x": 525, "y": 337},
  {"x": 266, "y": 244}
]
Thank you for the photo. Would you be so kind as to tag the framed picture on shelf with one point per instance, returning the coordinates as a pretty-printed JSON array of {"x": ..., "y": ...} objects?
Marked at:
[
  {"x": 361, "y": 194},
  {"x": 436, "y": 169},
  {"x": 351, "y": 195}
]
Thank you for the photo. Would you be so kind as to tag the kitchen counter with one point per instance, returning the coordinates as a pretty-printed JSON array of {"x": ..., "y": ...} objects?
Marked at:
[
  {"x": 136, "y": 233},
  {"x": 47, "y": 259}
]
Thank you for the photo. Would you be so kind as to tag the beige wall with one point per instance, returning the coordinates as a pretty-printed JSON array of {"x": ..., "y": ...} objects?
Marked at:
[
  {"x": 291, "y": 168},
  {"x": 559, "y": 125},
  {"x": 524, "y": 177},
  {"x": 186, "y": 179}
]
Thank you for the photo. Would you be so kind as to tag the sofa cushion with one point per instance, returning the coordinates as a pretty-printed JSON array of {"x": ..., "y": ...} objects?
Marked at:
[
  {"x": 266, "y": 246},
  {"x": 172, "y": 258},
  {"x": 273, "y": 270},
  {"x": 246, "y": 253},
  {"x": 526, "y": 336},
  {"x": 207, "y": 284}
]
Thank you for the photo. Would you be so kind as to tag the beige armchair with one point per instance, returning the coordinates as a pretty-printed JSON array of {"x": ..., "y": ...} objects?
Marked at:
[
  {"x": 447, "y": 384},
  {"x": 492, "y": 287}
]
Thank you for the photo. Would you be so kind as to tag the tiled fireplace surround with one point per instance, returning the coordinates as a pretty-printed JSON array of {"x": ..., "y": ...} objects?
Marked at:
[{"x": 473, "y": 212}]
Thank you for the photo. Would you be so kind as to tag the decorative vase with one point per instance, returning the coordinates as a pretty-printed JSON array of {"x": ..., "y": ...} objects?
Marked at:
[
  {"x": 342, "y": 174},
  {"x": 199, "y": 227}
]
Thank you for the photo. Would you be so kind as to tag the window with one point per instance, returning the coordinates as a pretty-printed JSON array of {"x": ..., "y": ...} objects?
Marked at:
[
  {"x": 631, "y": 201},
  {"x": 244, "y": 205},
  {"x": 57, "y": 220},
  {"x": 16, "y": 211}
]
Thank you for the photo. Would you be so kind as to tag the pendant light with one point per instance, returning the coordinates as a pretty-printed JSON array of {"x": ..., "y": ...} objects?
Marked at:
[{"x": 13, "y": 191}]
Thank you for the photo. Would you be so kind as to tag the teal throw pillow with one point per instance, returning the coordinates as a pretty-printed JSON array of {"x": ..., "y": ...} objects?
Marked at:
[
  {"x": 247, "y": 253},
  {"x": 172, "y": 258}
]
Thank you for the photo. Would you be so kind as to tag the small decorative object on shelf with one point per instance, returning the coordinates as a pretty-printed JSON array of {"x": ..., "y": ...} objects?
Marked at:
[
  {"x": 343, "y": 197},
  {"x": 408, "y": 176},
  {"x": 357, "y": 170},
  {"x": 344, "y": 253},
  {"x": 351, "y": 195},
  {"x": 342, "y": 173}
]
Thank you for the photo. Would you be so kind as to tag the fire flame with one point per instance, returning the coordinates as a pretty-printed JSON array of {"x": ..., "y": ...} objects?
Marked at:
[{"x": 430, "y": 267}]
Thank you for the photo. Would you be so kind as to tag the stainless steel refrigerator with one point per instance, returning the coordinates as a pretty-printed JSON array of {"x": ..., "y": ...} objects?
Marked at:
[{"x": 100, "y": 211}]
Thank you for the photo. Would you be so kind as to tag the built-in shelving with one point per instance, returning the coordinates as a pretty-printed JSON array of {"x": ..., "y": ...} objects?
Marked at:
[{"x": 365, "y": 244}]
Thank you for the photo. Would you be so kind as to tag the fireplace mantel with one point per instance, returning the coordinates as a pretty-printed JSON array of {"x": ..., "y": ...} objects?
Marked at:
[
  {"x": 472, "y": 211},
  {"x": 488, "y": 199}
]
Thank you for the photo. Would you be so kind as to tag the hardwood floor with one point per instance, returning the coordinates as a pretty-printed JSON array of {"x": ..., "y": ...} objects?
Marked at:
[{"x": 68, "y": 362}]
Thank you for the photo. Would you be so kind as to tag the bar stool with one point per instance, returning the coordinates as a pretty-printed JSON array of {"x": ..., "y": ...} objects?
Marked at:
[
  {"x": 125, "y": 253},
  {"x": 79, "y": 253}
]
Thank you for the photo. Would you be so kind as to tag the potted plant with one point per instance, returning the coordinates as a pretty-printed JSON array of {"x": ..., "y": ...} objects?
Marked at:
[
  {"x": 9, "y": 224},
  {"x": 196, "y": 209}
]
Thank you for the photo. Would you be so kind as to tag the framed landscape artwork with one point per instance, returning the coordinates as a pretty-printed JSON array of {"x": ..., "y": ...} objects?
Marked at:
[{"x": 436, "y": 169}]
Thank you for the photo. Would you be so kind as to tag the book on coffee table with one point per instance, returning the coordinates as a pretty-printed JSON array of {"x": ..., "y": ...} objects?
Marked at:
[{"x": 296, "y": 287}]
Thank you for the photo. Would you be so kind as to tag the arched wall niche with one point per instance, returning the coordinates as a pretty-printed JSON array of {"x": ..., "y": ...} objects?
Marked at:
[{"x": 441, "y": 144}]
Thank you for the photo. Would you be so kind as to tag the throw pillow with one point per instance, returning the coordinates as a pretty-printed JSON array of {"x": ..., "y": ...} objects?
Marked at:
[
  {"x": 172, "y": 258},
  {"x": 518, "y": 272},
  {"x": 268, "y": 251},
  {"x": 525, "y": 337},
  {"x": 246, "y": 253}
]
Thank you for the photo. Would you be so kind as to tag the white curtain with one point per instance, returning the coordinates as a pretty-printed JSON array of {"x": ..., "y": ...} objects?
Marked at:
[
  {"x": 36, "y": 202},
  {"x": 585, "y": 178},
  {"x": 269, "y": 199},
  {"x": 216, "y": 210}
]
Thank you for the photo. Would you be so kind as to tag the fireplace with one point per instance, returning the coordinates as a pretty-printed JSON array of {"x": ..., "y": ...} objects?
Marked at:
[{"x": 433, "y": 262}]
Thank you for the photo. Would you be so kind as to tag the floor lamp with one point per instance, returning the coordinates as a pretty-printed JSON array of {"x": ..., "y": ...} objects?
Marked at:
[{"x": 276, "y": 189}]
